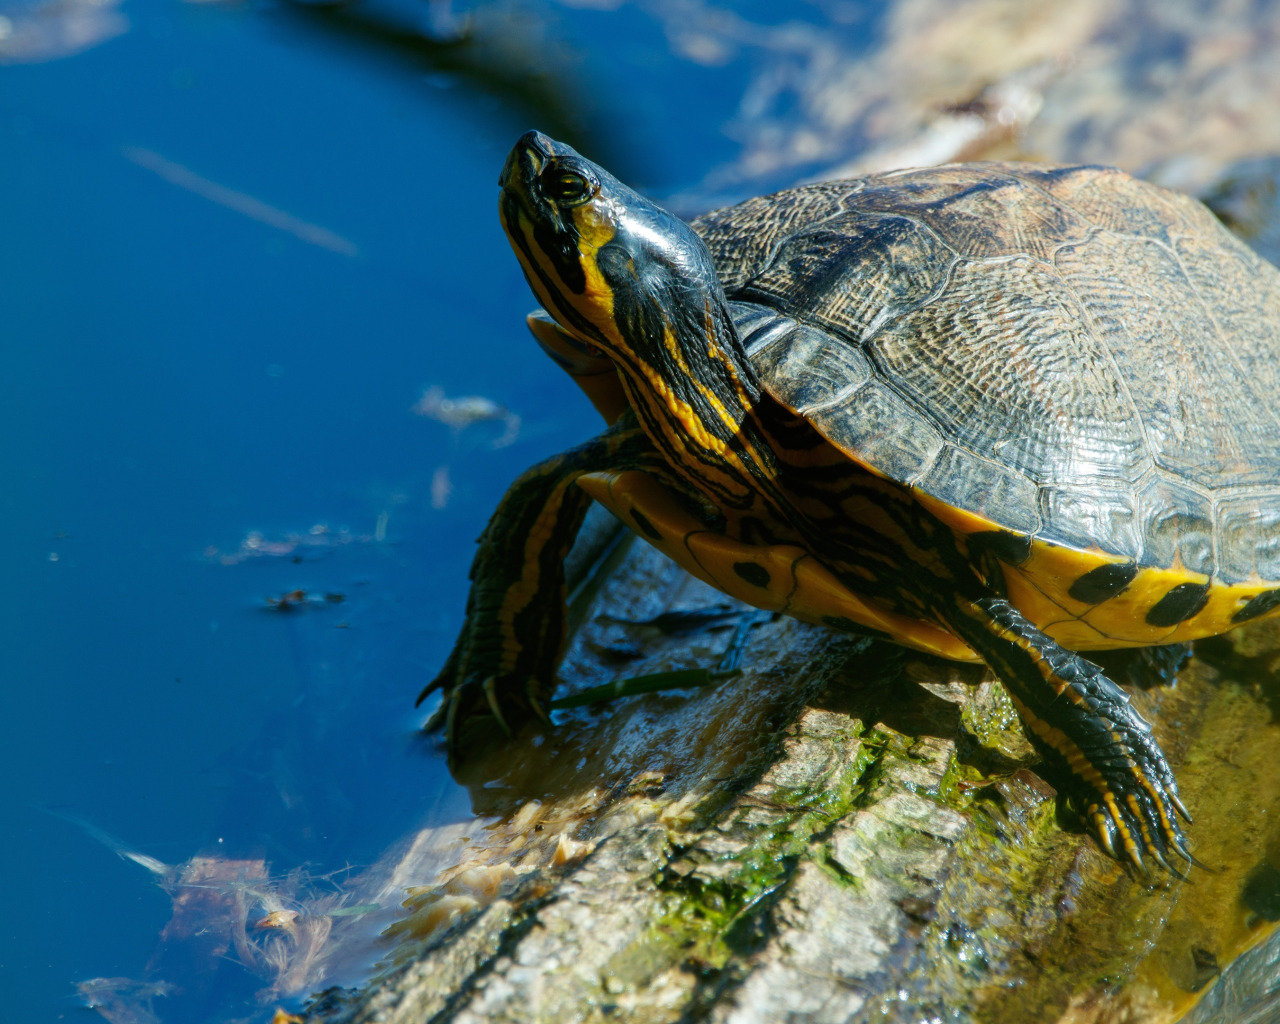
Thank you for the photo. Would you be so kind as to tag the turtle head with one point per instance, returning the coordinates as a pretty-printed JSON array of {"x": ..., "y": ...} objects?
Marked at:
[{"x": 615, "y": 270}]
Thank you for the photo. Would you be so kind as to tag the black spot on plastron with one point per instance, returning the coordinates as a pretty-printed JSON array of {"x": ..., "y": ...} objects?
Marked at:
[
  {"x": 1179, "y": 604},
  {"x": 755, "y": 574},
  {"x": 1261, "y": 892},
  {"x": 645, "y": 527},
  {"x": 1257, "y": 605},
  {"x": 1106, "y": 581},
  {"x": 1011, "y": 548}
]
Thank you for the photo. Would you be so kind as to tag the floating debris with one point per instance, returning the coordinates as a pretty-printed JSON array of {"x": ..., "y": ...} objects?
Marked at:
[
  {"x": 300, "y": 598},
  {"x": 460, "y": 413},
  {"x": 158, "y": 868},
  {"x": 299, "y": 932},
  {"x": 239, "y": 202},
  {"x": 122, "y": 1000},
  {"x": 441, "y": 487},
  {"x": 495, "y": 865},
  {"x": 318, "y": 542}
]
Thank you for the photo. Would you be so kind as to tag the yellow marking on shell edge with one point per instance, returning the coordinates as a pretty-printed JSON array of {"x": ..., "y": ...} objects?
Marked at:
[
  {"x": 810, "y": 592},
  {"x": 1039, "y": 589}
]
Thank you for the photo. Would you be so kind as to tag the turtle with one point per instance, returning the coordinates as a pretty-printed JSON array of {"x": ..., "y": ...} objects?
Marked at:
[{"x": 999, "y": 412}]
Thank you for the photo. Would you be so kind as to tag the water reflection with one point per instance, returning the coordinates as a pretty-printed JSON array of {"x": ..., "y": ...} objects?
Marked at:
[
  {"x": 295, "y": 933},
  {"x": 31, "y": 33},
  {"x": 511, "y": 52}
]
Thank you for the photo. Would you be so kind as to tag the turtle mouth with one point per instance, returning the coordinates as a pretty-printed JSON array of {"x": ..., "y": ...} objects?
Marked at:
[
  {"x": 528, "y": 158},
  {"x": 518, "y": 180},
  {"x": 525, "y": 161}
]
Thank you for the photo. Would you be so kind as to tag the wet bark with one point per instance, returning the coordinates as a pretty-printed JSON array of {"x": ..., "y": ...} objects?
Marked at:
[{"x": 844, "y": 832}]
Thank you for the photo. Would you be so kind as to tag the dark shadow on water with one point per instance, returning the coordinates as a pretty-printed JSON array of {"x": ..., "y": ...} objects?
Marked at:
[{"x": 513, "y": 57}]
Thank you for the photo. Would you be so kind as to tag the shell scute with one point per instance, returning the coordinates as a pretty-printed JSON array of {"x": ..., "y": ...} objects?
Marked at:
[
  {"x": 1007, "y": 367},
  {"x": 895, "y": 439},
  {"x": 1112, "y": 200},
  {"x": 820, "y": 273},
  {"x": 964, "y": 480},
  {"x": 995, "y": 217},
  {"x": 1085, "y": 517},
  {"x": 1177, "y": 526},
  {"x": 745, "y": 237},
  {"x": 810, "y": 367},
  {"x": 1249, "y": 529}
]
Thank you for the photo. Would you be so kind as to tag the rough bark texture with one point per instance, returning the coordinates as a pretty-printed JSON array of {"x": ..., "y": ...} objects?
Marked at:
[{"x": 845, "y": 832}]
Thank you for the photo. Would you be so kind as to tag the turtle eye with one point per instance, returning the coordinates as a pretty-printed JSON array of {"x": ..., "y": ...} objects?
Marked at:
[{"x": 567, "y": 188}]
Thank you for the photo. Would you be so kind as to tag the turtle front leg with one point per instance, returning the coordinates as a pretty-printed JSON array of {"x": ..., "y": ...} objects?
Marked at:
[
  {"x": 504, "y": 660},
  {"x": 1082, "y": 723}
]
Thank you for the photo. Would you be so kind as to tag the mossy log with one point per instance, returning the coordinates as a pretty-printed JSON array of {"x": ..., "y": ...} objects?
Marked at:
[{"x": 846, "y": 831}]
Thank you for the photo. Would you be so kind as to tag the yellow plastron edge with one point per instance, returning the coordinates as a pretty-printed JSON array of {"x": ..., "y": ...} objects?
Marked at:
[{"x": 779, "y": 577}]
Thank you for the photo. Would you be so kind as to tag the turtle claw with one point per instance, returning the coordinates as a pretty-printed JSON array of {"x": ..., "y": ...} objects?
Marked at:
[
  {"x": 438, "y": 683},
  {"x": 1134, "y": 820},
  {"x": 436, "y": 721},
  {"x": 450, "y": 706},
  {"x": 496, "y": 696},
  {"x": 535, "y": 705},
  {"x": 1088, "y": 729},
  {"x": 477, "y": 682},
  {"x": 427, "y": 691},
  {"x": 1160, "y": 859},
  {"x": 495, "y": 707},
  {"x": 1105, "y": 830}
]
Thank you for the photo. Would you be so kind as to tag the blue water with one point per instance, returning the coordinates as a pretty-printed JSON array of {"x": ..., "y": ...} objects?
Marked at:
[{"x": 238, "y": 243}]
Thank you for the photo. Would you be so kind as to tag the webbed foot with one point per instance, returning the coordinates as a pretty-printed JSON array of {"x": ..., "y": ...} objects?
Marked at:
[
  {"x": 474, "y": 688},
  {"x": 1085, "y": 727}
]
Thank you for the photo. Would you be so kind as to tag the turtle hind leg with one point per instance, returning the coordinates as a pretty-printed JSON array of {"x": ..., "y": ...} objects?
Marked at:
[{"x": 1083, "y": 725}]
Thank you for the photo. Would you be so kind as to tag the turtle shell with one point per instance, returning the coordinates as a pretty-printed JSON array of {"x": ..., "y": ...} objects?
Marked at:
[{"x": 1065, "y": 352}]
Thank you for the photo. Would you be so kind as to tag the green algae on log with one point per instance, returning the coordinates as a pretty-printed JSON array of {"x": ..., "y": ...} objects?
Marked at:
[{"x": 845, "y": 832}]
